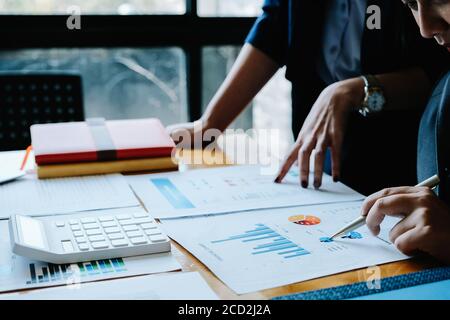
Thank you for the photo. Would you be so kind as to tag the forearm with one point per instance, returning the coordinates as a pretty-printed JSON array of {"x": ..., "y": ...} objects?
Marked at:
[{"x": 251, "y": 71}]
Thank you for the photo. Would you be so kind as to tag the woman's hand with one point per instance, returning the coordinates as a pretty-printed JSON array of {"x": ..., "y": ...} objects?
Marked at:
[
  {"x": 324, "y": 128},
  {"x": 426, "y": 223}
]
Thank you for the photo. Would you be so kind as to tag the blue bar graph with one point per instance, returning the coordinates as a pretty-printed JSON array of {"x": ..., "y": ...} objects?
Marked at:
[{"x": 273, "y": 242}]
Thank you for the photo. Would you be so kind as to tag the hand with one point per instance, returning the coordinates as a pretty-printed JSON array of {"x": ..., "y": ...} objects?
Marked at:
[
  {"x": 324, "y": 128},
  {"x": 192, "y": 134},
  {"x": 426, "y": 223}
]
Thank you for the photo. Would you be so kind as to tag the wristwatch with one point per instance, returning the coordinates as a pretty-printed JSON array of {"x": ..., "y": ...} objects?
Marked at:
[{"x": 374, "y": 100}]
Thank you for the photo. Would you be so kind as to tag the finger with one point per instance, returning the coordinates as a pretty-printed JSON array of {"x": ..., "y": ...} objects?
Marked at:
[
  {"x": 401, "y": 227},
  {"x": 410, "y": 241},
  {"x": 336, "y": 159},
  {"x": 292, "y": 157},
  {"x": 319, "y": 158},
  {"x": 395, "y": 205},
  {"x": 304, "y": 157},
  {"x": 370, "y": 200}
]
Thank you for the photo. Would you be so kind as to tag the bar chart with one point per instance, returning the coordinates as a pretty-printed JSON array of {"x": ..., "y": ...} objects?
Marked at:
[
  {"x": 267, "y": 241},
  {"x": 45, "y": 273}
]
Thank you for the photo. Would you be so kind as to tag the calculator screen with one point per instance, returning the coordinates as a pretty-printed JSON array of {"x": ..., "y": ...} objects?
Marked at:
[{"x": 31, "y": 232}]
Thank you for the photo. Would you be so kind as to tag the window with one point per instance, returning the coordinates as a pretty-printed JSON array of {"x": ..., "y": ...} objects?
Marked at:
[
  {"x": 229, "y": 8},
  {"x": 124, "y": 7},
  {"x": 139, "y": 58}
]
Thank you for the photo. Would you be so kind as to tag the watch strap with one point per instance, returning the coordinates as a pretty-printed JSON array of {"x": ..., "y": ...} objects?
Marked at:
[{"x": 371, "y": 81}]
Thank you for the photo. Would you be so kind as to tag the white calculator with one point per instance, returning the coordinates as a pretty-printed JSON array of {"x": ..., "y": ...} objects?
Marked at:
[{"x": 85, "y": 237}]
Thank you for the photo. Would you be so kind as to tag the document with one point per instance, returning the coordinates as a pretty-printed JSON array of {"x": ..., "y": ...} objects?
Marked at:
[
  {"x": 252, "y": 251},
  {"x": 171, "y": 286},
  {"x": 17, "y": 272},
  {"x": 229, "y": 189},
  {"x": 33, "y": 197}
]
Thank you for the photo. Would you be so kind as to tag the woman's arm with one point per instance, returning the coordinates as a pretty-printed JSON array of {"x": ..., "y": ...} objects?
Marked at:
[{"x": 252, "y": 70}]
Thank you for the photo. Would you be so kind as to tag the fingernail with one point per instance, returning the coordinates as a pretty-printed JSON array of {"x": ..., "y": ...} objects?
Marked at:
[
  {"x": 304, "y": 184},
  {"x": 316, "y": 185},
  {"x": 336, "y": 179},
  {"x": 277, "y": 180}
]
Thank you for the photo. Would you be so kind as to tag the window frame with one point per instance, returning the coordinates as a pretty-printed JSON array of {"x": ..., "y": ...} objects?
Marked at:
[{"x": 143, "y": 31}]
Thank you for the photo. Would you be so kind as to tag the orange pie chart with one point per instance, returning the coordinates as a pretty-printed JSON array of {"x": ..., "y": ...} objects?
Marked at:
[{"x": 305, "y": 220}]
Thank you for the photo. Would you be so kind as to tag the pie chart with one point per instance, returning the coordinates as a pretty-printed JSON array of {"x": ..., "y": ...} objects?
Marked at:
[{"x": 304, "y": 220}]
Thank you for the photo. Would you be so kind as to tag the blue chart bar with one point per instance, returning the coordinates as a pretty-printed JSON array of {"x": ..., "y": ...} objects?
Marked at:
[
  {"x": 172, "y": 194},
  {"x": 49, "y": 272},
  {"x": 277, "y": 243}
]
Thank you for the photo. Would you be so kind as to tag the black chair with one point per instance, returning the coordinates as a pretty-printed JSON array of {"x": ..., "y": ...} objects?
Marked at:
[{"x": 30, "y": 98}]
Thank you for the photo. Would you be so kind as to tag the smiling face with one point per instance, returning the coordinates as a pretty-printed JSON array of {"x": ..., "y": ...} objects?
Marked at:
[{"x": 433, "y": 18}]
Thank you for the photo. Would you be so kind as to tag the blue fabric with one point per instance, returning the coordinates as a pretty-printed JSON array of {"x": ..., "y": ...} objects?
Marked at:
[
  {"x": 434, "y": 141},
  {"x": 387, "y": 285},
  {"x": 340, "y": 57}
]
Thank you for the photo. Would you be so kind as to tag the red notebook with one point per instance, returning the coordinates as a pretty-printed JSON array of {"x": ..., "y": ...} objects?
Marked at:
[{"x": 99, "y": 140}]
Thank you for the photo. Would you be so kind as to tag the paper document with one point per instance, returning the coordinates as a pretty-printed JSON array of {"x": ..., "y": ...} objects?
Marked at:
[
  {"x": 229, "y": 189},
  {"x": 172, "y": 286},
  {"x": 264, "y": 249},
  {"x": 17, "y": 272},
  {"x": 33, "y": 197}
]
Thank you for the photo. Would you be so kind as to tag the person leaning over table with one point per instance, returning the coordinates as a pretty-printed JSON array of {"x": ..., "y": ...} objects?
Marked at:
[
  {"x": 426, "y": 226},
  {"x": 326, "y": 47}
]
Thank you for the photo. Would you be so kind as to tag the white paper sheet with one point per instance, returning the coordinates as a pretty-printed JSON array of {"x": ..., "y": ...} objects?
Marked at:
[
  {"x": 253, "y": 251},
  {"x": 229, "y": 189},
  {"x": 17, "y": 272},
  {"x": 172, "y": 286},
  {"x": 33, "y": 197}
]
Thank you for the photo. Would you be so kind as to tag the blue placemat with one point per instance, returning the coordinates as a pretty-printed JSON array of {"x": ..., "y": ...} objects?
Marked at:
[{"x": 361, "y": 289}]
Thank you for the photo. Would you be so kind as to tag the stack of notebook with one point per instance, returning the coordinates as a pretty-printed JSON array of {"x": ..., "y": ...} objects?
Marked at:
[{"x": 97, "y": 146}]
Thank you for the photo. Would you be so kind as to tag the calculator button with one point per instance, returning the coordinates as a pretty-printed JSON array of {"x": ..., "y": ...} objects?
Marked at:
[
  {"x": 123, "y": 217},
  {"x": 100, "y": 245},
  {"x": 119, "y": 243},
  {"x": 144, "y": 220},
  {"x": 158, "y": 238},
  {"x": 134, "y": 234},
  {"x": 72, "y": 222},
  {"x": 141, "y": 215},
  {"x": 83, "y": 247},
  {"x": 80, "y": 239},
  {"x": 60, "y": 224},
  {"x": 67, "y": 246},
  {"x": 96, "y": 238},
  {"x": 78, "y": 233},
  {"x": 75, "y": 227},
  {"x": 88, "y": 220},
  {"x": 112, "y": 230},
  {"x": 152, "y": 232},
  {"x": 127, "y": 222},
  {"x": 131, "y": 228},
  {"x": 140, "y": 240},
  {"x": 109, "y": 224},
  {"x": 93, "y": 232},
  {"x": 105, "y": 219},
  {"x": 115, "y": 236},
  {"x": 149, "y": 226},
  {"x": 88, "y": 226}
]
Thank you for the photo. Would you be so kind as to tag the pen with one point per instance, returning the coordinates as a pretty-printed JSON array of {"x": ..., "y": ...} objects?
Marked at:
[{"x": 359, "y": 222}]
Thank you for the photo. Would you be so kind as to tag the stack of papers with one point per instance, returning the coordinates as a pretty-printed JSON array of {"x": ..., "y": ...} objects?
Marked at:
[
  {"x": 230, "y": 189},
  {"x": 33, "y": 197},
  {"x": 264, "y": 249},
  {"x": 159, "y": 287}
]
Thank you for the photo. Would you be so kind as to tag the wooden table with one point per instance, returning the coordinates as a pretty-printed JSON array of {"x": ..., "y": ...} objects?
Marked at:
[{"x": 191, "y": 263}]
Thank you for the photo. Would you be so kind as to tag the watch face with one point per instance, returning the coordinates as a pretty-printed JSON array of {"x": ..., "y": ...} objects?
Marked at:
[{"x": 376, "y": 101}]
